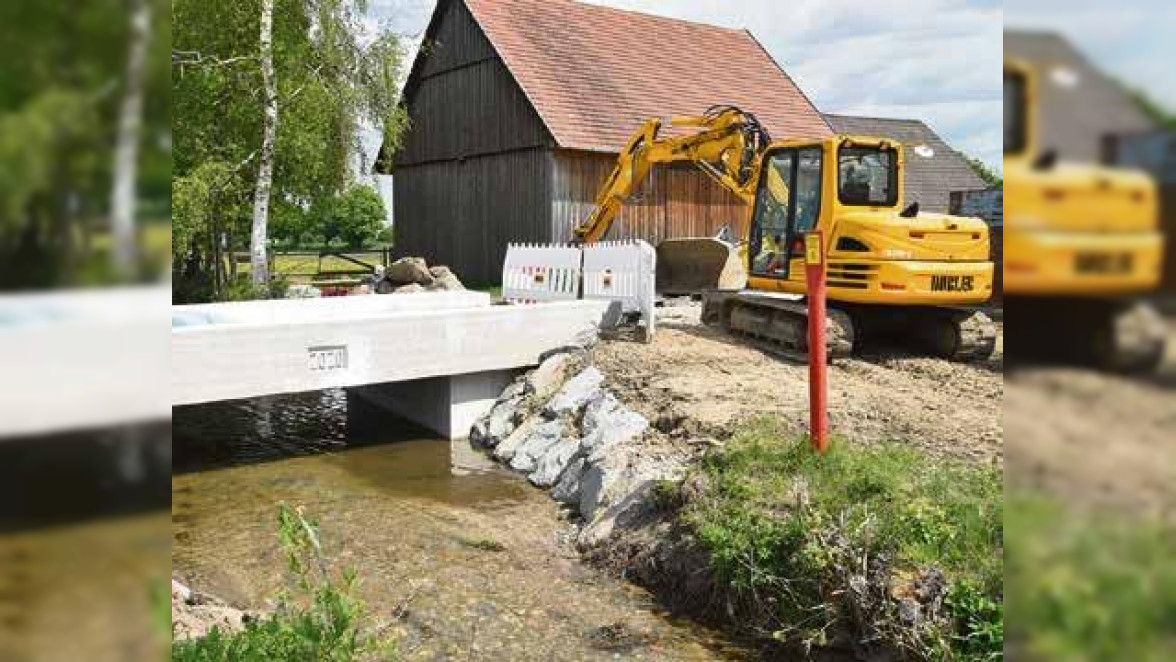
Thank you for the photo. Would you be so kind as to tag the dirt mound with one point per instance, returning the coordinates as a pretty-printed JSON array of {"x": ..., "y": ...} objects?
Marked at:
[{"x": 693, "y": 382}]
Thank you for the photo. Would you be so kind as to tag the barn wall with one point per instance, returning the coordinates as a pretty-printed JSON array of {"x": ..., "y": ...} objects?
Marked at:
[
  {"x": 464, "y": 213},
  {"x": 462, "y": 101},
  {"x": 672, "y": 202}
]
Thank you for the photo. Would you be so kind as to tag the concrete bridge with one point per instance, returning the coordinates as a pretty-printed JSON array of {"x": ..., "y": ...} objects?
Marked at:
[
  {"x": 439, "y": 359},
  {"x": 77, "y": 361}
]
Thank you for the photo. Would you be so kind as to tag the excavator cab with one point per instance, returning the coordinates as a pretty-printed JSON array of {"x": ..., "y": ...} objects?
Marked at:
[{"x": 791, "y": 197}]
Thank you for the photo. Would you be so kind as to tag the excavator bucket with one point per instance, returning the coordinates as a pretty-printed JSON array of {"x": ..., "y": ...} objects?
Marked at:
[{"x": 691, "y": 265}]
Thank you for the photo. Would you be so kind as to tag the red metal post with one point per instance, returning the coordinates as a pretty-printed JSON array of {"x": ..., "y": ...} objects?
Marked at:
[{"x": 814, "y": 257}]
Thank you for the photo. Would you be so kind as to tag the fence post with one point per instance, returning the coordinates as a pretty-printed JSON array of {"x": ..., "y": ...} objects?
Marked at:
[{"x": 814, "y": 258}]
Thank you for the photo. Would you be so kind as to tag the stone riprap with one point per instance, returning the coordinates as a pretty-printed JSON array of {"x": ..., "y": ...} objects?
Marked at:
[{"x": 561, "y": 427}]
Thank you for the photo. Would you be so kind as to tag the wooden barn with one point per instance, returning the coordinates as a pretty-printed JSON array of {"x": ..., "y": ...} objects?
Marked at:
[{"x": 518, "y": 108}]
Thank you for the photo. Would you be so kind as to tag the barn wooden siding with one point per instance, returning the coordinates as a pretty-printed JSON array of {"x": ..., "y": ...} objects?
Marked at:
[
  {"x": 464, "y": 213},
  {"x": 674, "y": 201},
  {"x": 474, "y": 171}
]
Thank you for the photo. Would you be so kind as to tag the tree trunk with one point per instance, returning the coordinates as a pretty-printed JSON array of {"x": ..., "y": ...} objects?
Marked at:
[
  {"x": 265, "y": 170},
  {"x": 126, "y": 151}
]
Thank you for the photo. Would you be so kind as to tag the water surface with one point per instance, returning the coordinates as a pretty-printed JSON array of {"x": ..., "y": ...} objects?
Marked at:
[{"x": 392, "y": 503}]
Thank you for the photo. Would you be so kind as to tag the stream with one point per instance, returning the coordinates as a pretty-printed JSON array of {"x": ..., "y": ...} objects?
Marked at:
[{"x": 460, "y": 560}]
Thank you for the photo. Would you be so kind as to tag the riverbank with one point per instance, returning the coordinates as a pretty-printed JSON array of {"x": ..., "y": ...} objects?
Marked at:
[
  {"x": 685, "y": 463},
  {"x": 452, "y": 564}
]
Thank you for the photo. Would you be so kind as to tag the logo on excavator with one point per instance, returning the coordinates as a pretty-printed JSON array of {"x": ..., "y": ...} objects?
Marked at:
[
  {"x": 1103, "y": 263},
  {"x": 952, "y": 283}
]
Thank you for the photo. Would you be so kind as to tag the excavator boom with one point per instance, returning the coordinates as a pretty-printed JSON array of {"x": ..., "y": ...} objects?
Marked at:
[{"x": 727, "y": 145}]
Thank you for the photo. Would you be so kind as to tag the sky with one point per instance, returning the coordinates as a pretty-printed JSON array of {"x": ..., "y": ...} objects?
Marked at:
[
  {"x": 1129, "y": 39},
  {"x": 934, "y": 60}
]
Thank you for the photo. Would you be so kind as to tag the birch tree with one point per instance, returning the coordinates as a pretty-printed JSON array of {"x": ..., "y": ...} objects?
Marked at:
[
  {"x": 265, "y": 168},
  {"x": 126, "y": 152},
  {"x": 284, "y": 119}
]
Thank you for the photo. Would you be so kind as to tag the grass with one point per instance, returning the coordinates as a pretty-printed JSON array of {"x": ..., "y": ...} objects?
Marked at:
[
  {"x": 319, "y": 620},
  {"x": 483, "y": 544},
  {"x": 306, "y": 267},
  {"x": 791, "y": 534},
  {"x": 1089, "y": 585}
]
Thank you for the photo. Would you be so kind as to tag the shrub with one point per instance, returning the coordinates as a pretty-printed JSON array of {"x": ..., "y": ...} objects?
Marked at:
[
  {"x": 319, "y": 620},
  {"x": 815, "y": 545}
]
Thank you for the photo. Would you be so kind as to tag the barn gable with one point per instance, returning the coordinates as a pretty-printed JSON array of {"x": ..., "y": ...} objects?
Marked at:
[
  {"x": 518, "y": 108},
  {"x": 457, "y": 64}
]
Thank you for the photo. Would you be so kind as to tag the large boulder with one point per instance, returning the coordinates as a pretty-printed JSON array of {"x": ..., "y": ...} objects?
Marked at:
[
  {"x": 606, "y": 422},
  {"x": 444, "y": 279},
  {"x": 576, "y": 393},
  {"x": 537, "y": 443},
  {"x": 553, "y": 373},
  {"x": 411, "y": 288},
  {"x": 506, "y": 449},
  {"x": 408, "y": 270},
  {"x": 508, "y": 411},
  {"x": 553, "y": 463},
  {"x": 567, "y": 490},
  {"x": 634, "y": 505},
  {"x": 601, "y": 473}
]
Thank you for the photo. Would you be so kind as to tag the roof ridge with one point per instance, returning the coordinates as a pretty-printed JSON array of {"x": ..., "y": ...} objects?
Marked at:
[
  {"x": 877, "y": 118},
  {"x": 662, "y": 17}
]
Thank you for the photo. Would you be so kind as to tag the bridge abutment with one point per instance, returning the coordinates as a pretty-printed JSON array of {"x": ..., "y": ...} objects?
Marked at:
[{"x": 447, "y": 405}]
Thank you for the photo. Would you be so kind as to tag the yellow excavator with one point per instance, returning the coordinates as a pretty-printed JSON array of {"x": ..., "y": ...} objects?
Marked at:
[
  {"x": 1081, "y": 249},
  {"x": 892, "y": 270}
]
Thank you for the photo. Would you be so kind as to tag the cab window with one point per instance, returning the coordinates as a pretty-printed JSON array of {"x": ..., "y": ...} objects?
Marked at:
[
  {"x": 808, "y": 189},
  {"x": 867, "y": 176},
  {"x": 788, "y": 205},
  {"x": 771, "y": 214},
  {"x": 1014, "y": 113}
]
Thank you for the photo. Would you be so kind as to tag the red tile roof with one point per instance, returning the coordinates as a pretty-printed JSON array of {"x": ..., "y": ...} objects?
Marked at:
[{"x": 596, "y": 73}]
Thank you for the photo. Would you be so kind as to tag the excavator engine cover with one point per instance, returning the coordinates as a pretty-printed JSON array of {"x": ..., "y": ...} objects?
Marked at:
[{"x": 692, "y": 265}]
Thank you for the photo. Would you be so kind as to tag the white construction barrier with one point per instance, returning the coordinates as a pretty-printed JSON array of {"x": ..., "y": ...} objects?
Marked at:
[
  {"x": 621, "y": 272},
  {"x": 534, "y": 273},
  {"x": 625, "y": 272}
]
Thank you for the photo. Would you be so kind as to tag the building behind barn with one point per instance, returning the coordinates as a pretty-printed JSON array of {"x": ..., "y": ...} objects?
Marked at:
[{"x": 519, "y": 107}]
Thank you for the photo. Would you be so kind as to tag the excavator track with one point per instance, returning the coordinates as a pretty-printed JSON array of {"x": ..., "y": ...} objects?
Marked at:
[
  {"x": 947, "y": 333},
  {"x": 780, "y": 319},
  {"x": 1122, "y": 336},
  {"x": 955, "y": 334}
]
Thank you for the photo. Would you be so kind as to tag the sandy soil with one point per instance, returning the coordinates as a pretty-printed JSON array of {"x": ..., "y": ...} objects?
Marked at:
[
  {"x": 1096, "y": 438},
  {"x": 694, "y": 382}
]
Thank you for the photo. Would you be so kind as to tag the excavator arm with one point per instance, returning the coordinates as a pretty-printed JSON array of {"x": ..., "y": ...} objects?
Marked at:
[{"x": 727, "y": 145}]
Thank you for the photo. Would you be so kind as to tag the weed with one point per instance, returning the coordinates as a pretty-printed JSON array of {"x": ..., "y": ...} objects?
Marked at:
[
  {"x": 815, "y": 543},
  {"x": 667, "y": 494},
  {"x": 483, "y": 544},
  {"x": 321, "y": 620}
]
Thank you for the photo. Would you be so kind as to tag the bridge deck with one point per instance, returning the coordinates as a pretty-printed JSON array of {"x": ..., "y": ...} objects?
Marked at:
[{"x": 247, "y": 358}]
